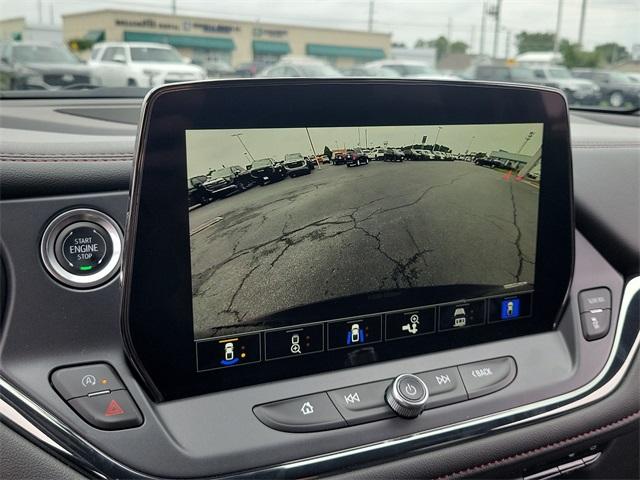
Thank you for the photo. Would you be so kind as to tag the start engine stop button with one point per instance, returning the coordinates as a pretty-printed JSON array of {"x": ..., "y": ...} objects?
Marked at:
[{"x": 83, "y": 248}]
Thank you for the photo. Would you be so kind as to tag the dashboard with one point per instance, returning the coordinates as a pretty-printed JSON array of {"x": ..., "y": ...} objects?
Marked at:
[{"x": 504, "y": 389}]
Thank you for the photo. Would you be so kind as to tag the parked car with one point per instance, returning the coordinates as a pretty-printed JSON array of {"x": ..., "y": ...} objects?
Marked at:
[
  {"x": 577, "y": 90},
  {"x": 339, "y": 157},
  {"x": 204, "y": 189},
  {"x": 322, "y": 159},
  {"x": 250, "y": 69},
  {"x": 616, "y": 87},
  {"x": 267, "y": 170},
  {"x": 236, "y": 175},
  {"x": 356, "y": 157},
  {"x": 393, "y": 155},
  {"x": 138, "y": 64},
  {"x": 370, "y": 71},
  {"x": 504, "y": 73},
  {"x": 42, "y": 66},
  {"x": 411, "y": 69},
  {"x": 300, "y": 67},
  {"x": 378, "y": 154},
  {"x": 488, "y": 162},
  {"x": 218, "y": 69},
  {"x": 296, "y": 164}
]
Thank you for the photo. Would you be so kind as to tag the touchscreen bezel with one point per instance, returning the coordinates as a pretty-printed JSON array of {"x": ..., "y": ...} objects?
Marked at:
[{"x": 157, "y": 303}]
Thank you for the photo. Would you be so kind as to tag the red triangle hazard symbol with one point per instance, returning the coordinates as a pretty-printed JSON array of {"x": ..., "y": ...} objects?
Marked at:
[{"x": 114, "y": 408}]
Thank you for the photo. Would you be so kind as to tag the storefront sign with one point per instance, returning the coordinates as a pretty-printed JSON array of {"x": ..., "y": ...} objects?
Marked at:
[{"x": 186, "y": 26}]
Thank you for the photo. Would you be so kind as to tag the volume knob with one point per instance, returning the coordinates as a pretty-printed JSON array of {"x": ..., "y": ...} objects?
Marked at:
[{"x": 407, "y": 395}]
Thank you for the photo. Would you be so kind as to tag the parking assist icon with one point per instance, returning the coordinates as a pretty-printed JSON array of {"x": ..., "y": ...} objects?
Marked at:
[
  {"x": 510, "y": 308},
  {"x": 412, "y": 326}
]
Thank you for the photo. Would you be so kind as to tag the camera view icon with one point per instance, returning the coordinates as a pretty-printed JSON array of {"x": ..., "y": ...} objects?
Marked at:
[
  {"x": 412, "y": 326},
  {"x": 355, "y": 335},
  {"x": 295, "y": 343},
  {"x": 510, "y": 308},
  {"x": 459, "y": 317}
]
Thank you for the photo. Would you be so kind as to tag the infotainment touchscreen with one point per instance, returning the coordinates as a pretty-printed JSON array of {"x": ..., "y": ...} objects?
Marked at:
[
  {"x": 281, "y": 228},
  {"x": 308, "y": 241}
]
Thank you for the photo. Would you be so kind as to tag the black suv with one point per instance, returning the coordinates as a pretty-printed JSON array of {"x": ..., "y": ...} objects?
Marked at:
[
  {"x": 203, "y": 190},
  {"x": 267, "y": 170},
  {"x": 234, "y": 175},
  {"x": 356, "y": 157}
]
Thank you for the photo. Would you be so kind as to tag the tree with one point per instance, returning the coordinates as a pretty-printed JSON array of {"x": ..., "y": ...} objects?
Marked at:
[
  {"x": 328, "y": 152},
  {"x": 398, "y": 45},
  {"x": 573, "y": 56},
  {"x": 458, "y": 47},
  {"x": 611, "y": 52},
  {"x": 535, "y": 42}
]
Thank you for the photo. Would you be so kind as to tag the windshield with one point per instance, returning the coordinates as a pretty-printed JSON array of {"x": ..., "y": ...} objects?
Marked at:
[
  {"x": 265, "y": 162},
  {"x": 160, "y": 55},
  {"x": 293, "y": 156},
  {"x": 559, "y": 73},
  {"x": 223, "y": 172},
  {"x": 537, "y": 43},
  {"x": 42, "y": 54}
]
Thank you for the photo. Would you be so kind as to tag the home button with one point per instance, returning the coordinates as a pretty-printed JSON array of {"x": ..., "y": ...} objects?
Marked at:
[{"x": 310, "y": 413}]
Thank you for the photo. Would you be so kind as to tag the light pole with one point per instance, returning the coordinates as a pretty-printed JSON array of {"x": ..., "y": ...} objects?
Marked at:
[
  {"x": 238, "y": 135},
  {"x": 526, "y": 140},
  {"x": 556, "y": 40},
  {"x": 435, "y": 143},
  {"x": 469, "y": 146}
]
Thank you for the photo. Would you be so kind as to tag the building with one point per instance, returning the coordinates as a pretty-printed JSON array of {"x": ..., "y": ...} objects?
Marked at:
[
  {"x": 236, "y": 42},
  {"x": 516, "y": 161},
  {"x": 18, "y": 29}
]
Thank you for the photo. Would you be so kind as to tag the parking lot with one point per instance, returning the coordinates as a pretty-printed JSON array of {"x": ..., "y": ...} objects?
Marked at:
[{"x": 341, "y": 231}]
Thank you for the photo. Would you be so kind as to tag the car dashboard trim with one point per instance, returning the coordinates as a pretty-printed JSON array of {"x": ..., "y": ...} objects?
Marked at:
[{"x": 56, "y": 437}]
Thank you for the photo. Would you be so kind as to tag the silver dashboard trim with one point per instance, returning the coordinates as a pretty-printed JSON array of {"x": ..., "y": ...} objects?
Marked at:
[{"x": 56, "y": 437}]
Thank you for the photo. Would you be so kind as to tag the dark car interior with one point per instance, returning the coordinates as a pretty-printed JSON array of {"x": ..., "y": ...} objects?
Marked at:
[{"x": 438, "y": 317}]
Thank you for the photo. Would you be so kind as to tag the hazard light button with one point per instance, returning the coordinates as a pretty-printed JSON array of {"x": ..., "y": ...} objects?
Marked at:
[{"x": 108, "y": 411}]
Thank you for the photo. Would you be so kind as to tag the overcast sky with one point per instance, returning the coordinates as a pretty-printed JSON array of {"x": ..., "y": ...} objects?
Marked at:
[
  {"x": 407, "y": 20},
  {"x": 211, "y": 149}
]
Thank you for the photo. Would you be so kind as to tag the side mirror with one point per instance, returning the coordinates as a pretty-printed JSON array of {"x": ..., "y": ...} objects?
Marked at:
[
  {"x": 119, "y": 58},
  {"x": 248, "y": 167}
]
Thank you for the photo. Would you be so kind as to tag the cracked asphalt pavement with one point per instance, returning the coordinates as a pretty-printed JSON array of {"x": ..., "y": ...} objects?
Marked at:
[{"x": 342, "y": 231}]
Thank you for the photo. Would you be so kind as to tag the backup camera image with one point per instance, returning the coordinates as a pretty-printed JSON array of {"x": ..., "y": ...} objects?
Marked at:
[{"x": 282, "y": 218}]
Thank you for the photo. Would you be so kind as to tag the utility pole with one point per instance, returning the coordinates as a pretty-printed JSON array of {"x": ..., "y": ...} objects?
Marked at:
[
  {"x": 435, "y": 143},
  {"x": 358, "y": 136},
  {"x": 238, "y": 135},
  {"x": 507, "y": 45},
  {"x": 496, "y": 30},
  {"x": 40, "y": 12},
  {"x": 366, "y": 138},
  {"x": 370, "y": 24},
  {"x": 483, "y": 25},
  {"x": 583, "y": 15},
  {"x": 449, "y": 33},
  {"x": 51, "y": 21},
  {"x": 472, "y": 40},
  {"x": 174, "y": 7},
  {"x": 556, "y": 40},
  {"x": 469, "y": 146}
]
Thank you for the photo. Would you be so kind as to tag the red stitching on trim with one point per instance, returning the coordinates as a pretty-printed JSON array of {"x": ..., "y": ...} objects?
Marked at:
[{"x": 557, "y": 444}]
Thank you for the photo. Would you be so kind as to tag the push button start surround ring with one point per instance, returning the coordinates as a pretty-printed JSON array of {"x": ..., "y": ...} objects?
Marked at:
[{"x": 82, "y": 217}]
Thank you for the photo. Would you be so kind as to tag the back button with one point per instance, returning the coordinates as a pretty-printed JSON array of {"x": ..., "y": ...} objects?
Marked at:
[{"x": 311, "y": 413}]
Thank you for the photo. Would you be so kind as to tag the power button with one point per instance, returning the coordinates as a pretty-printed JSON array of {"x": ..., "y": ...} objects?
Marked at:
[
  {"x": 407, "y": 395},
  {"x": 82, "y": 248}
]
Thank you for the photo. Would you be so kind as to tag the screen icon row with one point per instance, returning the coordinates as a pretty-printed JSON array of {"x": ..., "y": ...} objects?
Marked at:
[{"x": 300, "y": 340}]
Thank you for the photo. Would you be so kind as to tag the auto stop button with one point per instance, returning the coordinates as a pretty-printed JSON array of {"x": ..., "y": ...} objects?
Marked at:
[
  {"x": 488, "y": 376},
  {"x": 83, "y": 248}
]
